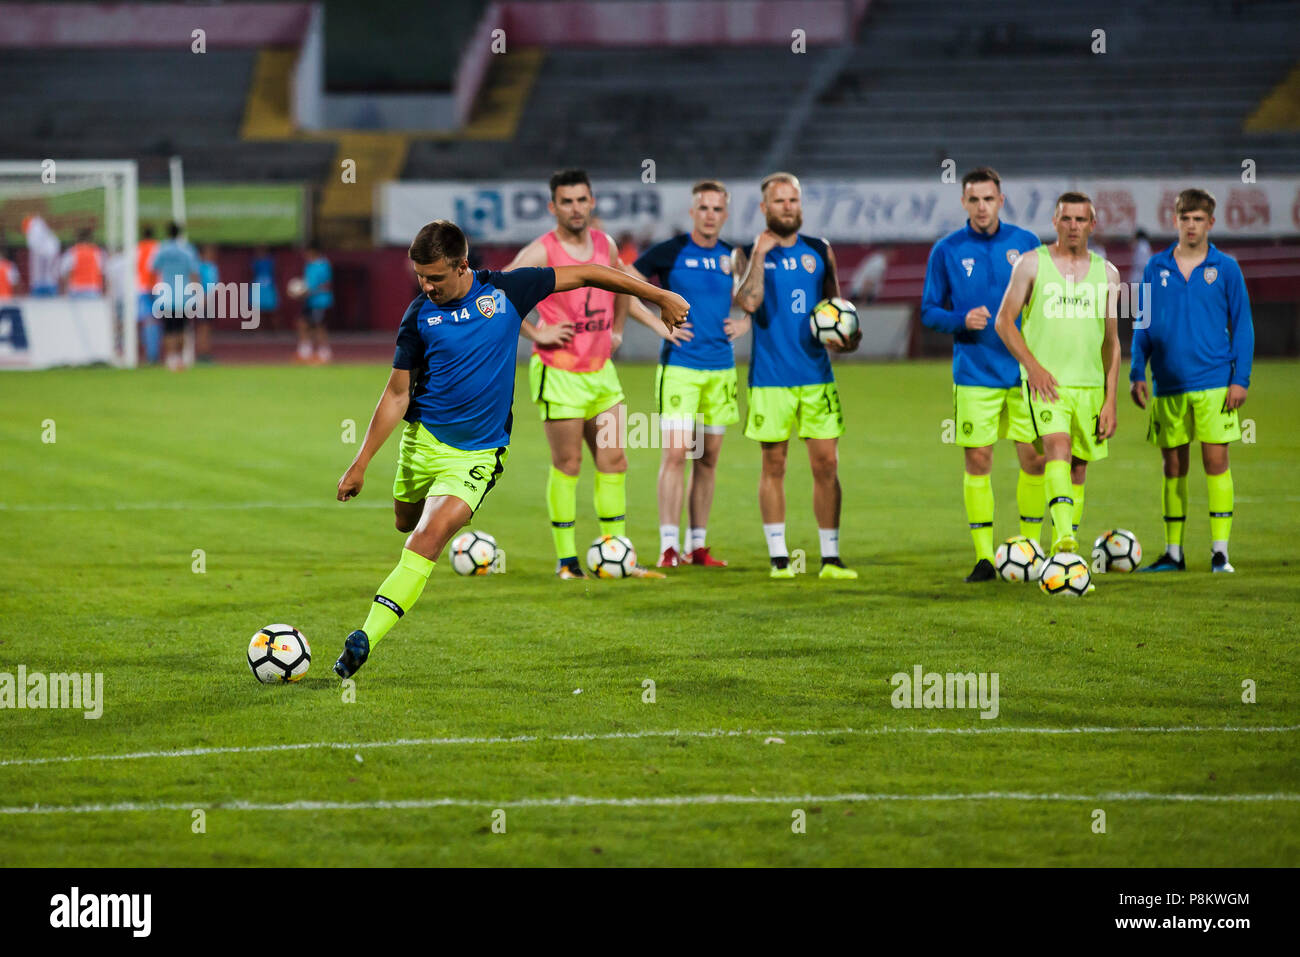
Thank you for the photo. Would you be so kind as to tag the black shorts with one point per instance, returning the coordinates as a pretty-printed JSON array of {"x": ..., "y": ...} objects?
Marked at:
[
  {"x": 315, "y": 316},
  {"x": 173, "y": 324}
]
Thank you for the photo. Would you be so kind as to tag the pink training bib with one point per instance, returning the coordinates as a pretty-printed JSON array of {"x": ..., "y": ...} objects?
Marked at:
[{"x": 590, "y": 310}]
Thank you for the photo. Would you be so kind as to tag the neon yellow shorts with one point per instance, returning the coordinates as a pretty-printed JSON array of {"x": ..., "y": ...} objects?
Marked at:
[
  {"x": 1076, "y": 410},
  {"x": 1192, "y": 417},
  {"x": 706, "y": 396},
  {"x": 427, "y": 467},
  {"x": 775, "y": 410},
  {"x": 984, "y": 415},
  {"x": 560, "y": 394}
]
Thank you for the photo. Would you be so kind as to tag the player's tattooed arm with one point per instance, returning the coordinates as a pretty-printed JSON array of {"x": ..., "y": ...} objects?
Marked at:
[
  {"x": 392, "y": 406},
  {"x": 1042, "y": 384},
  {"x": 1108, "y": 419},
  {"x": 673, "y": 309},
  {"x": 749, "y": 296}
]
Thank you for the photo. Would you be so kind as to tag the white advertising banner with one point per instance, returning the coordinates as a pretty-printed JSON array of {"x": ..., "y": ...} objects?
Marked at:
[
  {"x": 845, "y": 211},
  {"x": 38, "y": 333}
]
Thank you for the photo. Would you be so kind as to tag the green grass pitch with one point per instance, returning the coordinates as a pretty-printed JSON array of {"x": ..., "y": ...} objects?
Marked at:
[{"x": 472, "y": 704}]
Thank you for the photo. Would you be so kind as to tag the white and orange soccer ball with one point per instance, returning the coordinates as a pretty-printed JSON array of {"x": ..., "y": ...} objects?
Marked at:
[
  {"x": 1019, "y": 559},
  {"x": 476, "y": 553},
  {"x": 1117, "y": 550},
  {"x": 279, "y": 653},
  {"x": 611, "y": 556},
  {"x": 1065, "y": 573}
]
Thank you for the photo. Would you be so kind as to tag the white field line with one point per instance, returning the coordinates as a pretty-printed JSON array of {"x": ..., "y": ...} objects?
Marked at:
[
  {"x": 675, "y": 800},
  {"x": 630, "y": 735}
]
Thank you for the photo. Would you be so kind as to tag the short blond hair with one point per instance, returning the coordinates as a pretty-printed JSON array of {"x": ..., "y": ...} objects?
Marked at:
[{"x": 771, "y": 178}]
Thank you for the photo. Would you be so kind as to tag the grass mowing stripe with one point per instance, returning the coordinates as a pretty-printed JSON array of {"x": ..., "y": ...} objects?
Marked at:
[
  {"x": 629, "y": 735},
  {"x": 677, "y": 800}
]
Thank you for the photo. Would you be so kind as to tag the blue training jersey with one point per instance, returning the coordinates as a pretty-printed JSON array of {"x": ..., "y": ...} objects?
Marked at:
[
  {"x": 1200, "y": 334},
  {"x": 316, "y": 274},
  {"x": 702, "y": 276},
  {"x": 264, "y": 277},
  {"x": 968, "y": 269},
  {"x": 461, "y": 357},
  {"x": 785, "y": 351}
]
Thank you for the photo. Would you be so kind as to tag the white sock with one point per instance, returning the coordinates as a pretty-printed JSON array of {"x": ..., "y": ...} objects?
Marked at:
[
  {"x": 830, "y": 540},
  {"x": 667, "y": 538},
  {"x": 1175, "y": 552},
  {"x": 304, "y": 350},
  {"x": 1221, "y": 547},
  {"x": 695, "y": 538},
  {"x": 323, "y": 352},
  {"x": 775, "y": 535}
]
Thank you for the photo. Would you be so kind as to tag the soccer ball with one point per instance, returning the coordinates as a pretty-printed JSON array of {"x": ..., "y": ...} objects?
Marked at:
[
  {"x": 611, "y": 556},
  {"x": 475, "y": 553},
  {"x": 1019, "y": 559},
  {"x": 1116, "y": 551},
  {"x": 834, "y": 321},
  {"x": 296, "y": 287},
  {"x": 279, "y": 653},
  {"x": 1065, "y": 573}
]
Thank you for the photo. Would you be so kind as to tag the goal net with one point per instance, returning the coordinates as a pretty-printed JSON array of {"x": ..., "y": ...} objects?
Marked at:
[{"x": 42, "y": 326}]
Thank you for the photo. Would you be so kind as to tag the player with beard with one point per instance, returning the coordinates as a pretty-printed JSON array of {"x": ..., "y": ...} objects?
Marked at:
[{"x": 784, "y": 274}]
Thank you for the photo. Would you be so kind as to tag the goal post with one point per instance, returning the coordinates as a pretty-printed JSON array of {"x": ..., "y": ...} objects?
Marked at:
[{"x": 70, "y": 195}]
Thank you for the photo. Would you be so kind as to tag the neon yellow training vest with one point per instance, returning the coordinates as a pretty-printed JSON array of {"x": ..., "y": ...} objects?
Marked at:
[{"x": 1064, "y": 323}]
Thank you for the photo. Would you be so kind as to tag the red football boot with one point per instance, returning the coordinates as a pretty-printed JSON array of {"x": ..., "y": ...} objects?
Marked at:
[
  {"x": 669, "y": 559},
  {"x": 701, "y": 556}
]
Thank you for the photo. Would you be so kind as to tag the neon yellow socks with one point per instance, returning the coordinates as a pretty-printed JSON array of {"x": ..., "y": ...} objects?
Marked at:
[
  {"x": 1077, "y": 494},
  {"x": 562, "y": 506},
  {"x": 1029, "y": 499},
  {"x": 400, "y": 590},
  {"x": 978, "y": 493},
  {"x": 1174, "y": 501},
  {"x": 1220, "y": 493},
  {"x": 611, "y": 502},
  {"x": 1060, "y": 501}
]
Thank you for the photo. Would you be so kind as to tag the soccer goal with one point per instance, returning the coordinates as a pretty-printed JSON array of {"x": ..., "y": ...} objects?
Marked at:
[{"x": 71, "y": 196}]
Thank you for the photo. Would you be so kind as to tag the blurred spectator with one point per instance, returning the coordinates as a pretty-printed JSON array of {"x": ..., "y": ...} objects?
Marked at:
[
  {"x": 8, "y": 276},
  {"x": 265, "y": 297},
  {"x": 318, "y": 296},
  {"x": 177, "y": 265},
  {"x": 869, "y": 277},
  {"x": 42, "y": 257},
  {"x": 627, "y": 249},
  {"x": 1141, "y": 254},
  {"x": 146, "y": 279},
  {"x": 82, "y": 267},
  {"x": 209, "y": 276}
]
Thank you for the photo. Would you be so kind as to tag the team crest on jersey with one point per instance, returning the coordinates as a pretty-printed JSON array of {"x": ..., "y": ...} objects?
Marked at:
[
  {"x": 969, "y": 266},
  {"x": 809, "y": 262},
  {"x": 1164, "y": 277},
  {"x": 724, "y": 263},
  {"x": 1211, "y": 274},
  {"x": 486, "y": 305},
  {"x": 1013, "y": 256}
]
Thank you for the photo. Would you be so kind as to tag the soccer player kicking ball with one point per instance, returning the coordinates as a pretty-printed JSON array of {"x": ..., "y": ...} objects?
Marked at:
[
  {"x": 785, "y": 274},
  {"x": 571, "y": 375},
  {"x": 695, "y": 384},
  {"x": 964, "y": 280},
  {"x": 1067, "y": 345},
  {"x": 453, "y": 382},
  {"x": 1200, "y": 336}
]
